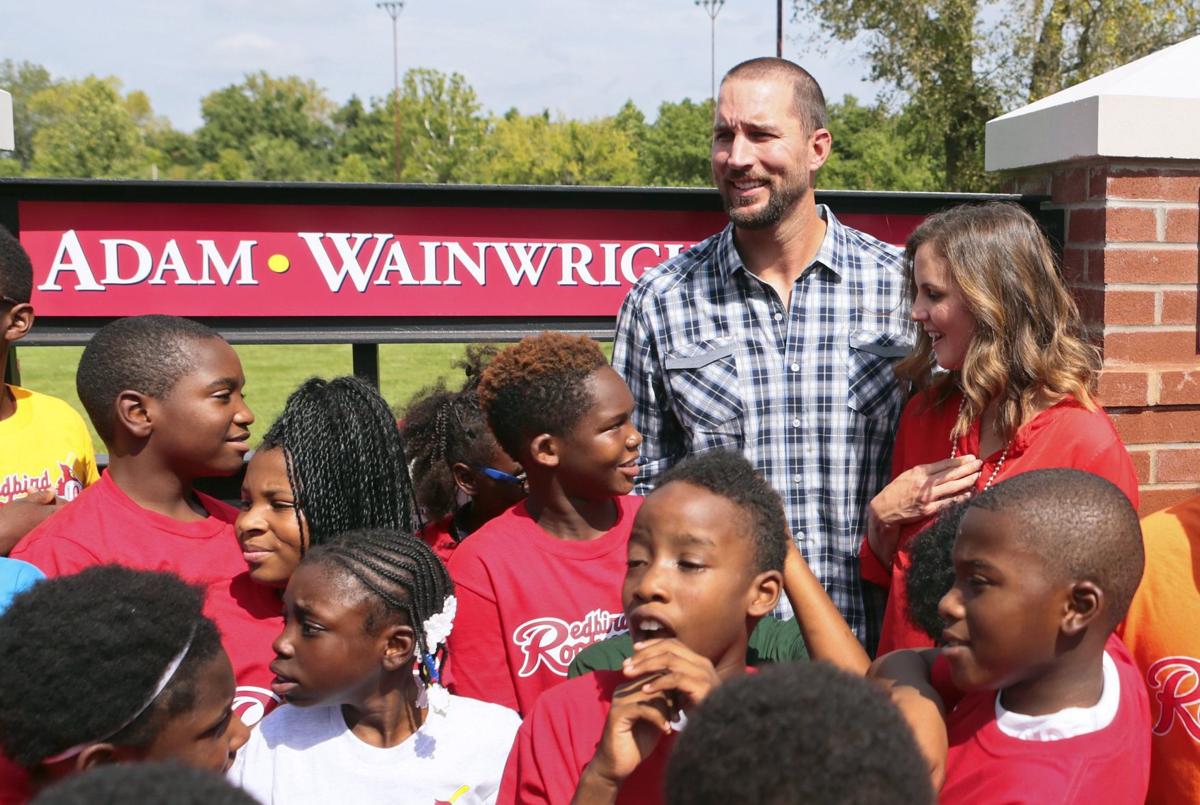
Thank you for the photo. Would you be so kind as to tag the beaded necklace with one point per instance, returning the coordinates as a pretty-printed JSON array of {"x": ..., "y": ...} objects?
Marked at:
[{"x": 1003, "y": 455}]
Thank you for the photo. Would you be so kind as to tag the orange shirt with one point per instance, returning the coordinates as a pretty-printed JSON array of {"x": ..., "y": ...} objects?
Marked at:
[{"x": 1162, "y": 635}]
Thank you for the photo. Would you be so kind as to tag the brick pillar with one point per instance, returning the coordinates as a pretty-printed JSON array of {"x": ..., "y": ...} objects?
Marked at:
[{"x": 1131, "y": 257}]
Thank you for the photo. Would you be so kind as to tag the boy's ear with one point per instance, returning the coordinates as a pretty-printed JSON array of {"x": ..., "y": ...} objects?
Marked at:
[
  {"x": 98, "y": 754},
  {"x": 17, "y": 322},
  {"x": 399, "y": 648},
  {"x": 464, "y": 479},
  {"x": 1084, "y": 604},
  {"x": 764, "y": 593},
  {"x": 546, "y": 450},
  {"x": 134, "y": 414}
]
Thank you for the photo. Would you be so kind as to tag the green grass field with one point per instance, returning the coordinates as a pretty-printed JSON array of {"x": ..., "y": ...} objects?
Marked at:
[{"x": 272, "y": 373}]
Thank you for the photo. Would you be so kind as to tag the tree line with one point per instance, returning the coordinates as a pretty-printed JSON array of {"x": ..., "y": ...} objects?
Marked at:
[
  {"x": 946, "y": 68},
  {"x": 272, "y": 128}
]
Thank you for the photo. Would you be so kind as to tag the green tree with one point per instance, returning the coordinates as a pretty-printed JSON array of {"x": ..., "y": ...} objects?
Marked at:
[
  {"x": 438, "y": 126},
  {"x": 533, "y": 149},
  {"x": 23, "y": 80},
  {"x": 874, "y": 150},
  {"x": 86, "y": 130},
  {"x": 676, "y": 150},
  {"x": 955, "y": 64},
  {"x": 282, "y": 127},
  {"x": 363, "y": 150}
]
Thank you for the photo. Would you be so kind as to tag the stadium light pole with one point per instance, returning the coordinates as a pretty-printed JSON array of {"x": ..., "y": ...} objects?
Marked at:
[
  {"x": 712, "y": 8},
  {"x": 779, "y": 29},
  {"x": 393, "y": 8}
]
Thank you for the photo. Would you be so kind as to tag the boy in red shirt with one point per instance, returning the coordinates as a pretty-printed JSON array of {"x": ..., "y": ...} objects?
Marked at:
[
  {"x": 165, "y": 395},
  {"x": 542, "y": 581},
  {"x": 1040, "y": 701},
  {"x": 705, "y": 563}
]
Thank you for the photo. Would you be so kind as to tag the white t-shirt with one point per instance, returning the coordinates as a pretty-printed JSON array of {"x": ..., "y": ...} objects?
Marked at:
[{"x": 307, "y": 754}]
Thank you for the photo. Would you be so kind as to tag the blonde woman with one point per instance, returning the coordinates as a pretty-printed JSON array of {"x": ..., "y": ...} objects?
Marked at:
[{"x": 1015, "y": 390}]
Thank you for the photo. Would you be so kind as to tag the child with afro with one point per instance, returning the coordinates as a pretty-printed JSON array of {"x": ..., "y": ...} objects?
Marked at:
[
  {"x": 165, "y": 395},
  {"x": 1031, "y": 696},
  {"x": 455, "y": 457},
  {"x": 48, "y": 456},
  {"x": 111, "y": 665},
  {"x": 797, "y": 733},
  {"x": 705, "y": 563},
  {"x": 359, "y": 663},
  {"x": 332, "y": 462},
  {"x": 542, "y": 581}
]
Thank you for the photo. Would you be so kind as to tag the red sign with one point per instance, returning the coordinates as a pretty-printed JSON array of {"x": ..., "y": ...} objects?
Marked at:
[{"x": 120, "y": 259}]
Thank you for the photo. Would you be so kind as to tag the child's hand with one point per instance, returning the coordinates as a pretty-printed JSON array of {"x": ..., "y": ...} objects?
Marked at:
[
  {"x": 676, "y": 670},
  {"x": 635, "y": 724},
  {"x": 21, "y": 516}
]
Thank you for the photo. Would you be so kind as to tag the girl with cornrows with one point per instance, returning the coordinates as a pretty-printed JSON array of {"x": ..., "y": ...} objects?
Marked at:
[
  {"x": 333, "y": 461},
  {"x": 1004, "y": 381},
  {"x": 455, "y": 458},
  {"x": 359, "y": 666}
]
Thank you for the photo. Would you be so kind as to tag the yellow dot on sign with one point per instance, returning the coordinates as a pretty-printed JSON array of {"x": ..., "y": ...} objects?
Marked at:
[{"x": 278, "y": 263}]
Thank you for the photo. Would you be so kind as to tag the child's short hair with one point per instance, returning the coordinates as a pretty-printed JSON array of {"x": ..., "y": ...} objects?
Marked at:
[
  {"x": 83, "y": 655},
  {"x": 122, "y": 783},
  {"x": 799, "y": 732},
  {"x": 143, "y": 353},
  {"x": 401, "y": 575},
  {"x": 537, "y": 386},
  {"x": 1080, "y": 525},
  {"x": 930, "y": 574},
  {"x": 16, "y": 272},
  {"x": 344, "y": 459},
  {"x": 442, "y": 428},
  {"x": 731, "y": 476}
]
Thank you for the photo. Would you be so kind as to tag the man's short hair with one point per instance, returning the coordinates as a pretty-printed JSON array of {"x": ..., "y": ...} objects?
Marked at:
[
  {"x": 1081, "y": 526},
  {"x": 810, "y": 100},
  {"x": 16, "y": 272},
  {"x": 147, "y": 354},
  {"x": 538, "y": 386},
  {"x": 729, "y": 475},
  {"x": 798, "y": 732}
]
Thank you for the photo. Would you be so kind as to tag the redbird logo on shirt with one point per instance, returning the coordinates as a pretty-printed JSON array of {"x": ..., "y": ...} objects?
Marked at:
[
  {"x": 554, "y": 642},
  {"x": 1174, "y": 684}
]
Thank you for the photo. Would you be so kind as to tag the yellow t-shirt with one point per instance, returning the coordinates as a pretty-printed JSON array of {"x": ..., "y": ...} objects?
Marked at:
[
  {"x": 44, "y": 445},
  {"x": 1161, "y": 633}
]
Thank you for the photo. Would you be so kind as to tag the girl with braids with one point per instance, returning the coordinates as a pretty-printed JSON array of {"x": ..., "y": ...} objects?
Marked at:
[
  {"x": 455, "y": 456},
  {"x": 332, "y": 462},
  {"x": 358, "y": 663}
]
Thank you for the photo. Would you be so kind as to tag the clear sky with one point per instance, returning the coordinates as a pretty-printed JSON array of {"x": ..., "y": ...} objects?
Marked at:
[{"x": 580, "y": 58}]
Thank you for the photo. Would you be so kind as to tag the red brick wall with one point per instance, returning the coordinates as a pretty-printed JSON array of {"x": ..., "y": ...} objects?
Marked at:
[{"x": 1131, "y": 257}]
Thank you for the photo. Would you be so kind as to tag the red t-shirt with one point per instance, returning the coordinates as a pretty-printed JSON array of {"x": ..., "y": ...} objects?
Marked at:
[
  {"x": 104, "y": 526},
  {"x": 438, "y": 536},
  {"x": 985, "y": 765},
  {"x": 559, "y": 738},
  {"x": 528, "y": 602},
  {"x": 1064, "y": 435}
]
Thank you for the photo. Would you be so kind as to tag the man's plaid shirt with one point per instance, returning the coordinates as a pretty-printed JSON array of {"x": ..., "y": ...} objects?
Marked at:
[{"x": 807, "y": 393}]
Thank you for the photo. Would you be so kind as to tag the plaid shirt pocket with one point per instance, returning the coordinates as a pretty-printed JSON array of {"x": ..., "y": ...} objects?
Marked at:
[
  {"x": 702, "y": 379},
  {"x": 872, "y": 387}
]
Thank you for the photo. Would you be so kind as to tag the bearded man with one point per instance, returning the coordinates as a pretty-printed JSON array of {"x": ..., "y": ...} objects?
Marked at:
[{"x": 776, "y": 336}]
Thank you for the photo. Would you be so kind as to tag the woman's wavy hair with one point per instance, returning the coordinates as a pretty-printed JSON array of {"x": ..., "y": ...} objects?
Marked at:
[{"x": 1029, "y": 342}]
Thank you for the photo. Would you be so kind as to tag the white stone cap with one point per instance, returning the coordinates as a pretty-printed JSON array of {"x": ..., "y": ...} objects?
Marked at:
[
  {"x": 1147, "y": 109},
  {"x": 7, "y": 141}
]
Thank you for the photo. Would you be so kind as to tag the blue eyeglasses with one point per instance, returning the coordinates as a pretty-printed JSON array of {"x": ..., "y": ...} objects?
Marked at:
[{"x": 502, "y": 476}]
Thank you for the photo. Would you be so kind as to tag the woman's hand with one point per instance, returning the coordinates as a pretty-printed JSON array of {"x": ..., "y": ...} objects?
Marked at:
[{"x": 915, "y": 494}]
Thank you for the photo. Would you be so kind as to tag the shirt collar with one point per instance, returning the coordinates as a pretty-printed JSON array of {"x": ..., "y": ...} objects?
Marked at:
[{"x": 831, "y": 254}]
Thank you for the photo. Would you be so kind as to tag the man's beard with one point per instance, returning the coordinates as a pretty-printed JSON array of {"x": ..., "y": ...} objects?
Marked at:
[{"x": 778, "y": 203}]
